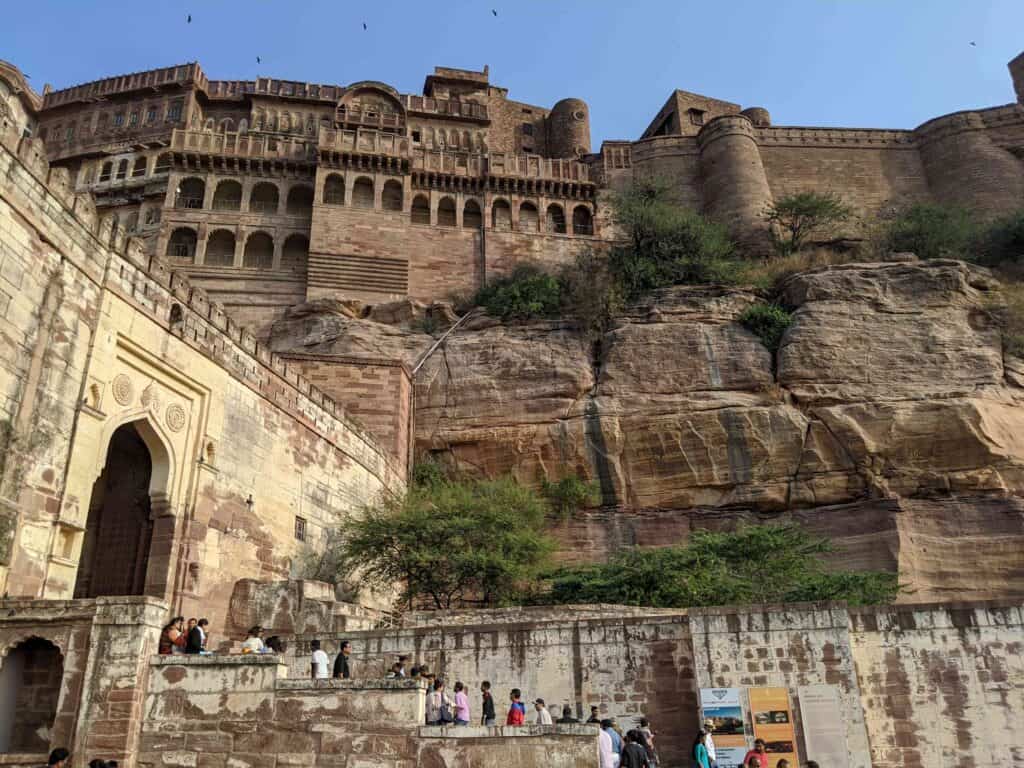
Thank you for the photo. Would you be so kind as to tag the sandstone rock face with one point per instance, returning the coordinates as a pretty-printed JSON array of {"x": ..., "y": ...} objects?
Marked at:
[{"x": 888, "y": 420}]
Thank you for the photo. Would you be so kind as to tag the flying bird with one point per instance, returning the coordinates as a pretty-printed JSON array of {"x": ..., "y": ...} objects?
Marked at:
[
  {"x": 494, "y": 12},
  {"x": 189, "y": 19},
  {"x": 974, "y": 44},
  {"x": 364, "y": 26}
]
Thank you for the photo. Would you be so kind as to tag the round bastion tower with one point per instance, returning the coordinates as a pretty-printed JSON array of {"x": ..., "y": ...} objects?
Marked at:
[
  {"x": 569, "y": 129},
  {"x": 966, "y": 168},
  {"x": 735, "y": 186}
]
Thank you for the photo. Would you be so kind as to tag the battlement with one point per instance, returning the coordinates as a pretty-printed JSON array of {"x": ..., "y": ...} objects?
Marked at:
[
  {"x": 178, "y": 75},
  {"x": 1017, "y": 73},
  {"x": 241, "y": 145}
]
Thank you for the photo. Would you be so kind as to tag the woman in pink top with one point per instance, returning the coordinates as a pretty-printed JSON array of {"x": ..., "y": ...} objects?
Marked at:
[{"x": 461, "y": 705}]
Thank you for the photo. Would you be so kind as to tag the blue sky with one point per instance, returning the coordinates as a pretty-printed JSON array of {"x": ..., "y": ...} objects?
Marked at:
[{"x": 856, "y": 63}]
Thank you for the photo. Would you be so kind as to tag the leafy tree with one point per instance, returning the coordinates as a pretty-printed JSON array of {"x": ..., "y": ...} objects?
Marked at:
[
  {"x": 933, "y": 232},
  {"x": 527, "y": 292},
  {"x": 797, "y": 217},
  {"x": 1004, "y": 241},
  {"x": 668, "y": 244},
  {"x": 758, "y": 564},
  {"x": 449, "y": 543},
  {"x": 768, "y": 322},
  {"x": 570, "y": 494}
]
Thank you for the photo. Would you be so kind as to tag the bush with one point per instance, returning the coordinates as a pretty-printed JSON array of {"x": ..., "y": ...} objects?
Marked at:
[
  {"x": 757, "y": 564},
  {"x": 933, "y": 232},
  {"x": 527, "y": 292},
  {"x": 795, "y": 218},
  {"x": 668, "y": 245},
  {"x": 427, "y": 473},
  {"x": 768, "y": 322},
  {"x": 1004, "y": 241},
  {"x": 591, "y": 294},
  {"x": 569, "y": 495},
  {"x": 770, "y": 274}
]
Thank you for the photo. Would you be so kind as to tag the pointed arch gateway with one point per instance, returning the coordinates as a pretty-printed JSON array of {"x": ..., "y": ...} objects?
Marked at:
[{"x": 126, "y": 548}]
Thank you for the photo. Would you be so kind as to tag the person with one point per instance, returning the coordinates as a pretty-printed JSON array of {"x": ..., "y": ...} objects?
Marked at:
[
  {"x": 594, "y": 719},
  {"x": 648, "y": 734},
  {"x": 97, "y": 763},
  {"x": 172, "y": 639},
  {"x": 439, "y": 705},
  {"x": 758, "y": 753},
  {"x": 616, "y": 741},
  {"x": 700, "y": 751},
  {"x": 275, "y": 644},
  {"x": 196, "y": 642},
  {"x": 461, "y": 704},
  {"x": 543, "y": 716},
  {"x": 709, "y": 742},
  {"x": 318, "y": 667},
  {"x": 487, "y": 716},
  {"x": 812, "y": 764},
  {"x": 400, "y": 666},
  {"x": 393, "y": 672},
  {"x": 567, "y": 718},
  {"x": 188, "y": 627},
  {"x": 60, "y": 757},
  {"x": 516, "y": 710},
  {"x": 783, "y": 763},
  {"x": 634, "y": 754},
  {"x": 607, "y": 754},
  {"x": 616, "y": 734},
  {"x": 414, "y": 673},
  {"x": 341, "y": 666},
  {"x": 253, "y": 642}
]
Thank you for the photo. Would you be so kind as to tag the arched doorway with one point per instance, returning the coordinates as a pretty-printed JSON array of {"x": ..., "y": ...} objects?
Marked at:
[
  {"x": 30, "y": 682},
  {"x": 119, "y": 530}
]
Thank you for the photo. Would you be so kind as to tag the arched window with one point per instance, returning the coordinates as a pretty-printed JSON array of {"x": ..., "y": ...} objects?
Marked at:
[
  {"x": 259, "y": 251},
  {"x": 190, "y": 193},
  {"x": 208, "y": 126},
  {"x": 529, "y": 219},
  {"x": 228, "y": 196},
  {"x": 220, "y": 249},
  {"x": 300, "y": 201},
  {"x": 226, "y": 125},
  {"x": 30, "y": 683},
  {"x": 163, "y": 163},
  {"x": 132, "y": 224},
  {"x": 501, "y": 215},
  {"x": 391, "y": 195},
  {"x": 264, "y": 198},
  {"x": 362, "y": 193},
  {"x": 105, "y": 171},
  {"x": 472, "y": 218},
  {"x": 420, "y": 210},
  {"x": 556, "y": 219},
  {"x": 295, "y": 255},
  {"x": 243, "y": 126},
  {"x": 122, "y": 170},
  {"x": 446, "y": 212},
  {"x": 139, "y": 169},
  {"x": 582, "y": 221},
  {"x": 334, "y": 190}
]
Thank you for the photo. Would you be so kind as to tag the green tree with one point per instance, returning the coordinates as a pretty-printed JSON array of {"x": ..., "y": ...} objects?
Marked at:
[
  {"x": 527, "y": 292},
  {"x": 449, "y": 543},
  {"x": 570, "y": 494},
  {"x": 933, "y": 232},
  {"x": 668, "y": 244},
  {"x": 1004, "y": 241},
  {"x": 757, "y": 564},
  {"x": 797, "y": 217},
  {"x": 768, "y": 322}
]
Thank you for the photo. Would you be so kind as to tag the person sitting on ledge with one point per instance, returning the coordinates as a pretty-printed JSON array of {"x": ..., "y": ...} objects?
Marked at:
[
  {"x": 566, "y": 718},
  {"x": 172, "y": 638},
  {"x": 275, "y": 644},
  {"x": 59, "y": 758},
  {"x": 196, "y": 642},
  {"x": 253, "y": 642}
]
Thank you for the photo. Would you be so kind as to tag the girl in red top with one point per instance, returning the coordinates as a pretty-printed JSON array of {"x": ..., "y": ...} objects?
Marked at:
[
  {"x": 516, "y": 712},
  {"x": 172, "y": 635}
]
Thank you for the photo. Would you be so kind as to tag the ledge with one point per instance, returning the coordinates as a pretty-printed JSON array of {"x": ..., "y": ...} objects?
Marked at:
[
  {"x": 23, "y": 758},
  {"x": 504, "y": 731},
  {"x": 382, "y": 684},
  {"x": 218, "y": 660}
]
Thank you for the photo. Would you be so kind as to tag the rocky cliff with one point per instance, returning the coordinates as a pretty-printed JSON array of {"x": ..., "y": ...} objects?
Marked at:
[{"x": 888, "y": 419}]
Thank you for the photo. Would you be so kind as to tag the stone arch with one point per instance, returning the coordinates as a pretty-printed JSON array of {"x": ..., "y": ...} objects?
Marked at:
[
  {"x": 420, "y": 211},
  {"x": 31, "y": 678},
  {"x": 122, "y": 169},
  {"x": 582, "y": 220},
  {"x": 295, "y": 254},
  {"x": 208, "y": 125},
  {"x": 362, "y": 192},
  {"x": 264, "y": 198},
  {"x": 105, "y": 170},
  {"x": 163, "y": 163},
  {"x": 392, "y": 195},
  {"x": 334, "y": 189},
  {"x": 220, "y": 248},
  {"x": 190, "y": 193},
  {"x": 501, "y": 215},
  {"x": 300, "y": 201},
  {"x": 472, "y": 216},
  {"x": 139, "y": 168},
  {"x": 259, "y": 251},
  {"x": 226, "y": 125},
  {"x": 227, "y": 196},
  {"x": 529, "y": 218},
  {"x": 555, "y": 219},
  {"x": 446, "y": 212}
]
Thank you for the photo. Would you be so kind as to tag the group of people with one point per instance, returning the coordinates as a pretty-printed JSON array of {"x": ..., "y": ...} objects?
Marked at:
[
  {"x": 704, "y": 755},
  {"x": 632, "y": 749},
  {"x": 177, "y": 637}
]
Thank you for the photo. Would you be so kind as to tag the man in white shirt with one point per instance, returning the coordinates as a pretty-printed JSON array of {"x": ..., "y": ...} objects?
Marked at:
[
  {"x": 709, "y": 726},
  {"x": 543, "y": 716},
  {"x": 607, "y": 753},
  {"x": 318, "y": 669}
]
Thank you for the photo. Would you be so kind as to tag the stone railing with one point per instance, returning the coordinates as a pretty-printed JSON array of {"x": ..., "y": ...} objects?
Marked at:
[
  {"x": 498, "y": 164},
  {"x": 371, "y": 118},
  {"x": 431, "y": 106},
  {"x": 369, "y": 141},
  {"x": 241, "y": 145}
]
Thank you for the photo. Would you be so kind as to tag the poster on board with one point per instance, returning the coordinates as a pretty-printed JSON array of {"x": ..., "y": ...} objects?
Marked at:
[
  {"x": 824, "y": 726},
  {"x": 772, "y": 717},
  {"x": 724, "y": 708}
]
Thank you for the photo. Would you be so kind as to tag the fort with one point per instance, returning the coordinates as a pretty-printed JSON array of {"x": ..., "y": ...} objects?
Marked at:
[{"x": 168, "y": 447}]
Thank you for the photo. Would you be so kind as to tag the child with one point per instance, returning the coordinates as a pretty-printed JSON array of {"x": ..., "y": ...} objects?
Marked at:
[{"x": 517, "y": 711}]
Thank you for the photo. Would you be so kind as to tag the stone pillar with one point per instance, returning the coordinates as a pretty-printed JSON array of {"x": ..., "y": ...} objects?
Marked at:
[
  {"x": 240, "y": 234},
  {"x": 735, "y": 188},
  {"x": 163, "y": 549},
  {"x": 278, "y": 250},
  {"x": 378, "y": 192},
  {"x": 202, "y": 232},
  {"x": 209, "y": 187}
]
